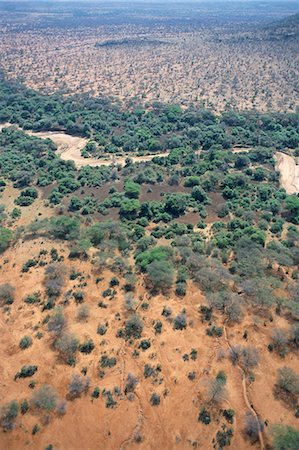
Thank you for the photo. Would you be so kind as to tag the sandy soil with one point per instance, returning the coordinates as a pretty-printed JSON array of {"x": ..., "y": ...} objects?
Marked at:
[
  {"x": 88, "y": 423},
  {"x": 289, "y": 172}
]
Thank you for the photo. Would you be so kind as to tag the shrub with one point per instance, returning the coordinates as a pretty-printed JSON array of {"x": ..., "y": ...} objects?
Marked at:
[
  {"x": 131, "y": 383},
  {"x": 8, "y": 415},
  {"x": 61, "y": 407},
  {"x": 87, "y": 347},
  {"x": 24, "y": 406},
  {"x": 180, "y": 289},
  {"x": 105, "y": 361},
  {"x": 252, "y": 427},
  {"x": 6, "y": 236},
  {"x": 96, "y": 392},
  {"x": 144, "y": 344},
  {"x": 160, "y": 276},
  {"x": 280, "y": 341},
  {"x": 7, "y": 293},
  {"x": 180, "y": 321},
  {"x": 26, "y": 371},
  {"x": 67, "y": 345},
  {"x": 78, "y": 384},
  {"x": 155, "y": 399},
  {"x": 25, "y": 342},
  {"x": 83, "y": 313},
  {"x": 133, "y": 327},
  {"x": 45, "y": 398},
  {"x": 288, "y": 380},
  {"x": 216, "y": 391},
  {"x": 204, "y": 416},
  {"x": 215, "y": 331},
  {"x": 57, "y": 322},
  {"x": 229, "y": 414},
  {"x": 54, "y": 278},
  {"x": 101, "y": 330},
  {"x": 285, "y": 437}
]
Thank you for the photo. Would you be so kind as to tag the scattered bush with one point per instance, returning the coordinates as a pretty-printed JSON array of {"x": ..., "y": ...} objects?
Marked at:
[
  {"x": 7, "y": 293},
  {"x": 25, "y": 342},
  {"x": 45, "y": 398},
  {"x": 78, "y": 385}
]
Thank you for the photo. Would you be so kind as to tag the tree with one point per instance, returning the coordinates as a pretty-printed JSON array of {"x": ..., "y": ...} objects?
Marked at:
[
  {"x": 45, "y": 398},
  {"x": 132, "y": 190},
  {"x": 129, "y": 208},
  {"x": 8, "y": 415},
  {"x": 133, "y": 327},
  {"x": 131, "y": 383},
  {"x": 5, "y": 238},
  {"x": 7, "y": 293},
  {"x": 78, "y": 384},
  {"x": 57, "y": 322},
  {"x": 160, "y": 275},
  {"x": 285, "y": 437},
  {"x": 67, "y": 345},
  {"x": 288, "y": 380},
  {"x": 66, "y": 228},
  {"x": 54, "y": 278},
  {"x": 199, "y": 195},
  {"x": 176, "y": 204},
  {"x": 216, "y": 391},
  {"x": 253, "y": 427}
]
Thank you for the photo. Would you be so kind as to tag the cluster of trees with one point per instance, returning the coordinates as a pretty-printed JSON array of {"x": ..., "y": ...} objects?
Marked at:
[{"x": 154, "y": 129}]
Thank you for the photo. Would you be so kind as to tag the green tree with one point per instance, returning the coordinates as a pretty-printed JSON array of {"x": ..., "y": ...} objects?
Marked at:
[{"x": 285, "y": 437}]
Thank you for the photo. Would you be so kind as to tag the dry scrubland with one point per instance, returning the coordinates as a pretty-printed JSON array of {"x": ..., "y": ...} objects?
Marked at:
[
  {"x": 222, "y": 65},
  {"x": 98, "y": 350},
  {"x": 182, "y": 383}
]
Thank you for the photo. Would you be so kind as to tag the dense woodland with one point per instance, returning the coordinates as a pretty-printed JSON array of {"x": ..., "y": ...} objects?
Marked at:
[{"x": 240, "y": 248}]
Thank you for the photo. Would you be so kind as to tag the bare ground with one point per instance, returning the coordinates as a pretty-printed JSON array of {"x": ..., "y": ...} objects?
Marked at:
[{"x": 289, "y": 172}]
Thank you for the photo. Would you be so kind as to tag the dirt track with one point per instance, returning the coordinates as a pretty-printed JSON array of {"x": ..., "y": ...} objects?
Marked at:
[
  {"x": 289, "y": 172},
  {"x": 69, "y": 149}
]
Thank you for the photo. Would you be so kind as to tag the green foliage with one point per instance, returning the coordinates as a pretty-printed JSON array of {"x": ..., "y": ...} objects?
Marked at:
[
  {"x": 132, "y": 190},
  {"x": 6, "y": 236},
  {"x": 285, "y": 437},
  {"x": 160, "y": 275}
]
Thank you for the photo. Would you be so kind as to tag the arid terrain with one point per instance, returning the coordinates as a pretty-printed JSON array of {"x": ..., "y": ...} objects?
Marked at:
[
  {"x": 187, "y": 57},
  {"x": 149, "y": 225}
]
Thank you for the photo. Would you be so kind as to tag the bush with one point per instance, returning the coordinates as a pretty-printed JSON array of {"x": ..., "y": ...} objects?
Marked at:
[
  {"x": 288, "y": 380},
  {"x": 57, "y": 322},
  {"x": 285, "y": 437},
  {"x": 5, "y": 238},
  {"x": 280, "y": 341},
  {"x": 160, "y": 276},
  {"x": 252, "y": 427},
  {"x": 67, "y": 345},
  {"x": 180, "y": 289},
  {"x": 54, "y": 278},
  {"x": 45, "y": 398},
  {"x": 155, "y": 400},
  {"x": 180, "y": 321},
  {"x": 204, "y": 416},
  {"x": 83, "y": 313},
  {"x": 229, "y": 414},
  {"x": 131, "y": 383},
  {"x": 133, "y": 327},
  {"x": 78, "y": 385},
  {"x": 26, "y": 371},
  {"x": 25, "y": 342},
  {"x": 216, "y": 391},
  {"x": 7, "y": 293},
  {"x": 8, "y": 415},
  {"x": 87, "y": 347}
]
